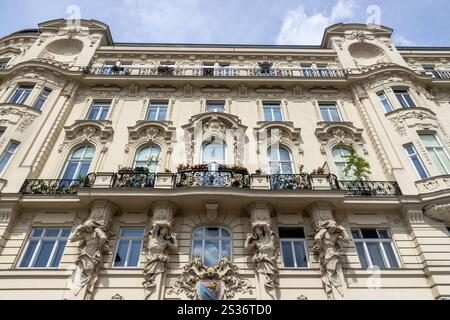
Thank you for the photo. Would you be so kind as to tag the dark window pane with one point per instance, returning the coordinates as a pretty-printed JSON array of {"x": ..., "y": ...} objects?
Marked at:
[
  {"x": 44, "y": 254},
  {"x": 384, "y": 234},
  {"x": 28, "y": 254},
  {"x": 135, "y": 253},
  {"x": 369, "y": 233},
  {"x": 121, "y": 255},
  {"x": 288, "y": 259},
  {"x": 361, "y": 254},
  {"x": 38, "y": 232},
  {"x": 292, "y": 233},
  {"x": 198, "y": 233},
  {"x": 65, "y": 233},
  {"x": 225, "y": 233},
  {"x": 355, "y": 234},
  {"x": 132, "y": 232},
  {"x": 390, "y": 255},
  {"x": 58, "y": 254},
  {"x": 162, "y": 114},
  {"x": 375, "y": 254},
  {"x": 300, "y": 254},
  {"x": 212, "y": 232},
  {"x": 51, "y": 232}
]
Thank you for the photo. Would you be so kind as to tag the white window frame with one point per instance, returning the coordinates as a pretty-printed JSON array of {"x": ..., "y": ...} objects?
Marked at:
[
  {"x": 79, "y": 161},
  {"x": 408, "y": 92},
  {"x": 225, "y": 151},
  {"x": 291, "y": 159},
  {"x": 412, "y": 162},
  {"x": 31, "y": 87},
  {"x": 364, "y": 241},
  {"x": 39, "y": 247},
  {"x": 103, "y": 105},
  {"x": 5, "y": 151},
  {"x": 291, "y": 241},
  {"x": 205, "y": 238},
  {"x": 129, "y": 239},
  {"x": 157, "y": 162},
  {"x": 158, "y": 106},
  {"x": 271, "y": 107},
  {"x": 386, "y": 99},
  {"x": 327, "y": 105},
  {"x": 441, "y": 147},
  {"x": 42, "y": 98}
]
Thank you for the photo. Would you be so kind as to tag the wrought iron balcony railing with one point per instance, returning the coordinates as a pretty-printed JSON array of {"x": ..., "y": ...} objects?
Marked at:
[
  {"x": 56, "y": 186},
  {"x": 217, "y": 72},
  {"x": 290, "y": 181},
  {"x": 133, "y": 180},
  {"x": 387, "y": 189},
  {"x": 441, "y": 74},
  {"x": 208, "y": 179}
]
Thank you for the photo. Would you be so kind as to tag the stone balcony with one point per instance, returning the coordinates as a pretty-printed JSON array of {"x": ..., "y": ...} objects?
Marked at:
[
  {"x": 434, "y": 184},
  {"x": 213, "y": 179}
]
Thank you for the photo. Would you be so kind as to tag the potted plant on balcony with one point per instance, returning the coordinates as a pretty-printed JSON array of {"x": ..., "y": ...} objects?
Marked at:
[
  {"x": 358, "y": 169},
  {"x": 141, "y": 170},
  {"x": 239, "y": 170},
  {"x": 165, "y": 70}
]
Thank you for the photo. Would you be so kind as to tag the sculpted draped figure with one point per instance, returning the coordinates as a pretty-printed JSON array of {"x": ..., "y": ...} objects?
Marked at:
[
  {"x": 93, "y": 237},
  {"x": 329, "y": 242},
  {"x": 158, "y": 243},
  {"x": 266, "y": 245}
]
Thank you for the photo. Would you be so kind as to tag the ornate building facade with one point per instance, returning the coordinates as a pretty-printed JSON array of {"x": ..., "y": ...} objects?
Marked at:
[{"x": 154, "y": 171}]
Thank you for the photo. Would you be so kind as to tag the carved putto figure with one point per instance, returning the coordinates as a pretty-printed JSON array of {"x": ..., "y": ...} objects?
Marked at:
[
  {"x": 158, "y": 243},
  {"x": 266, "y": 245},
  {"x": 93, "y": 237},
  {"x": 328, "y": 246}
]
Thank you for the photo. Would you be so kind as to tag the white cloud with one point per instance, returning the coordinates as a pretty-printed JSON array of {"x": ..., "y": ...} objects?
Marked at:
[{"x": 300, "y": 28}]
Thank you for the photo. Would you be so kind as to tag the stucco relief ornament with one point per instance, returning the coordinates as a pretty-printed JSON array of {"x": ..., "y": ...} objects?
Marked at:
[
  {"x": 360, "y": 36},
  {"x": 440, "y": 212},
  {"x": 200, "y": 282},
  {"x": 93, "y": 237},
  {"x": 158, "y": 243},
  {"x": 266, "y": 246},
  {"x": 329, "y": 239},
  {"x": 151, "y": 134}
]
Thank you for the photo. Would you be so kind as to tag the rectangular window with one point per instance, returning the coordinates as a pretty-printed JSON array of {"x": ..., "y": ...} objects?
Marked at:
[
  {"x": 44, "y": 248},
  {"x": 99, "y": 110},
  {"x": 6, "y": 156},
  {"x": 21, "y": 94},
  {"x": 272, "y": 112},
  {"x": 293, "y": 247},
  {"x": 208, "y": 70},
  {"x": 404, "y": 98},
  {"x": 385, "y": 102},
  {"x": 436, "y": 152},
  {"x": 215, "y": 107},
  {"x": 416, "y": 161},
  {"x": 128, "y": 249},
  {"x": 375, "y": 248},
  {"x": 157, "y": 112},
  {"x": 330, "y": 113},
  {"x": 42, "y": 98}
]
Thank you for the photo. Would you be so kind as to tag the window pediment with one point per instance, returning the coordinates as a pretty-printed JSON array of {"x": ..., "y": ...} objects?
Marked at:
[
  {"x": 150, "y": 131},
  {"x": 88, "y": 131},
  {"x": 18, "y": 114},
  {"x": 418, "y": 118},
  {"x": 286, "y": 133},
  {"x": 331, "y": 134}
]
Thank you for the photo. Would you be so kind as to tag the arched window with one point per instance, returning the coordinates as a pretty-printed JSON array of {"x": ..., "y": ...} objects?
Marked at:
[
  {"x": 280, "y": 161},
  {"x": 79, "y": 162},
  {"x": 211, "y": 244},
  {"x": 214, "y": 152},
  {"x": 147, "y": 157},
  {"x": 340, "y": 160}
]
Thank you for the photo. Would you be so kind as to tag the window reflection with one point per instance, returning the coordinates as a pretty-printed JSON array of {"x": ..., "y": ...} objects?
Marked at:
[{"x": 211, "y": 244}]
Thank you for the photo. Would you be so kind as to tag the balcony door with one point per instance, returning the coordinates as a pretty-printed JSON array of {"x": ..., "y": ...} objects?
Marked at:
[{"x": 79, "y": 162}]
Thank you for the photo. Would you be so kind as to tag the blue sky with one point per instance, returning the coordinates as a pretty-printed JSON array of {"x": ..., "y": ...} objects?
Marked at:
[{"x": 416, "y": 22}]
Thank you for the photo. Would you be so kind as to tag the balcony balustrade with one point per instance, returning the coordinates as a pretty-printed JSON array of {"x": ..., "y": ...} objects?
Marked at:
[
  {"x": 222, "y": 178},
  {"x": 290, "y": 181},
  {"x": 217, "y": 72},
  {"x": 56, "y": 186},
  {"x": 208, "y": 179},
  {"x": 385, "y": 189},
  {"x": 133, "y": 180}
]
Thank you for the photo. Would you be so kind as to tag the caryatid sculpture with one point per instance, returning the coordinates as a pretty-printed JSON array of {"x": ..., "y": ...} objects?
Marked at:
[
  {"x": 93, "y": 237},
  {"x": 158, "y": 243},
  {"x": 329, "y": 242},
  {"x": 266, "y": 245}
]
